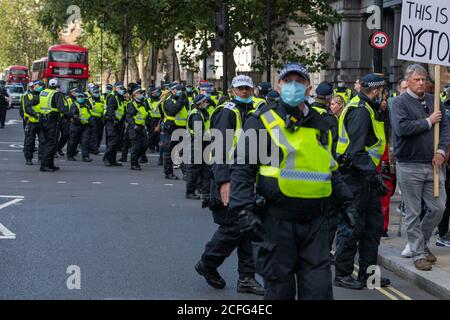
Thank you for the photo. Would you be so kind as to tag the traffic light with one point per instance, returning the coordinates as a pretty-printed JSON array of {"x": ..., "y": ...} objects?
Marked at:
[{"x": 220, "y": 32}]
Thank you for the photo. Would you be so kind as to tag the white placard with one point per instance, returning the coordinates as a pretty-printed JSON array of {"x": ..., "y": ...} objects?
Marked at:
[{"x": 425, "y": 32}]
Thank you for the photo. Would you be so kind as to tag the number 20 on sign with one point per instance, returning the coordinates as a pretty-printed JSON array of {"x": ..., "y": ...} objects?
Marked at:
[{"x": 379, "y": 40}]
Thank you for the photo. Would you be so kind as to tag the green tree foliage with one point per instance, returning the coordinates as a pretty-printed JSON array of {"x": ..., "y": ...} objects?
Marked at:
[{"x": 23, "y": 38}]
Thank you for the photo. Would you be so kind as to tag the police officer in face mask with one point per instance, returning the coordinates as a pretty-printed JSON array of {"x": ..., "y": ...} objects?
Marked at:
[
  {"x": 360, "y": 147},
  {"x": 230, "y": 116},
  {"x": 115, "y": 111},
  {"x": 80, "y": 128},
  {"x": 290, "y": 230},
  {"x": 32, "y": 121},
  {"x": 136, "y": 116}
]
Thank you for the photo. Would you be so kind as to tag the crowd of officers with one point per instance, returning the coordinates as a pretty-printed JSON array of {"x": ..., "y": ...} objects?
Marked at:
[{"x": 282, "y": 217}]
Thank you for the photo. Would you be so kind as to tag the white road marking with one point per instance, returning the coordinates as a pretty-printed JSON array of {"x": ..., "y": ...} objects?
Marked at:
[
  {"x": 6, "y": 234},
  {"x": 9, "y": 203},
  {"x": 5, "y": 159},
  {"x": 24, "y": 181},
  {"x": 14, "y": 197},
  {"x": 62, "y": 182},
  {"x": 134, "y": 183},
  {"x": 11, "y": 151},
  {"x": 96, "y": 182},
  {"x": 168, "y": 185}
]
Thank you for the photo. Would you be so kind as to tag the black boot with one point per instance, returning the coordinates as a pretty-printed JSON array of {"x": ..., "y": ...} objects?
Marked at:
[
  {"x": 136, "y": 168},
  {"x": 250, "y": 285},
  {"x": 348, "y": 282},
  {"x": 61, "y": 153},
  {"x": 47, "y": 169},
  {"x": 29, "y": 162},
  {"x": 107, "y": 163},
  {"x": 192, "y": 196},
  {"x": 172, "y": 177},
  {"x": 212, "y": 277},
  {"x": 87, "y": 159},
  {"x": 71, "y": 158}
]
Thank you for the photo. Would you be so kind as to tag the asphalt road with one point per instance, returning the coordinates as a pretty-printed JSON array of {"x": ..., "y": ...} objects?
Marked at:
[{"x": 131, "y": 234}]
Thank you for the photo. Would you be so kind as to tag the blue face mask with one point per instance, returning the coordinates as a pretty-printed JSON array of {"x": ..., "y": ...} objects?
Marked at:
[
  {"x": 293, "y": 93},
  {"x": 188, "y": 90},
  {"x": 108, "y": 91},
  {"x": 179, "y": 93},
  {"x": 121, "y": 92},
  {"x": 96, "y": 95},
  {"x": 140, "y": 97},
  {"x": 80, "y": 100},
  {"x": 248, "y": 100},
  {"x": 40, "y": 89}
]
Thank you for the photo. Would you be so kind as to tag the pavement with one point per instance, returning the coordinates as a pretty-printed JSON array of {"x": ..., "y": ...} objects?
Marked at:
[
  {"x": 436, "y": 281},
  {"x": 123, "y": 234}
]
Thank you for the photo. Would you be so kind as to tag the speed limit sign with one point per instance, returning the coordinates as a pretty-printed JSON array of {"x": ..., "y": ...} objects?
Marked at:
[{"x": 379, "y": 40}]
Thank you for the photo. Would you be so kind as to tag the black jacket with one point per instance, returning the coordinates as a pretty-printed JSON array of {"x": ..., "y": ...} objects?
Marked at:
[
  {"x": 172, "y": 106},
  {"x": 332, "y": 122},
  {"x": 243, "y": 176},
  {"x": 3, "y": 95},
  {"x": 361, "y": 134},
  {"x": 112, "y": 106},
  {"x": 29, "y": 104}
]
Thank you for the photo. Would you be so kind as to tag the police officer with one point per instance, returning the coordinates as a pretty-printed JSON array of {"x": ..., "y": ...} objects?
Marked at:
[
  {"x": 263, "y": 89},
  {"x": 136, "y": 116},
  {"x": 22, "y": 106},
  {"x": 124, "y": 142},
  {"x": 190, "y": 94},
  {"x": 343, "y": 91},
  {"x": 154, "y": 118},
  {"x": 97, "y": 106},
  {"x": 175, "y": 112},
  {"x": 114, "y": 114},
  {"x": 324, "y": 94},
  {"x": 30, "y": 105},
  {"x": 51, "y": 105},
  {"x": 360, "y": 147},
  {"x": 4, "y": 101},
  {"x": 64, "y": 123},
  {"x": 228, "y": 237},
  {"x": 292, "y": 251},
  {"x": 80, "y": 128},
  {"x": 197, "y": 125}
]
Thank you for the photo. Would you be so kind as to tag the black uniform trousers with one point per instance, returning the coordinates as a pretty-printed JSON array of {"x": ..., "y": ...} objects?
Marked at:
[
  {"x": 153, "y": 137},
  {"x": 197, "y": 174},
  {"x": 79, "y": 134},
  {"x": 96, "y": 135},
  {"x": 112, "y": 141},
  {"x": 49, "y": 130},
  {"x": 365, "y": 236},
  {"x": 294, "y": 259},
  {"x": 167, "y": 154},
  {"x": 125, "y": 143},
  {"x": 333, "y": 218},
  {"x": 3, "y": 109},
  {"x": 139, "y": 141},
  {"x": 64, "y": 132},
  {"x": 225, "y": 240},
  {"x": 33, "y": 129}
]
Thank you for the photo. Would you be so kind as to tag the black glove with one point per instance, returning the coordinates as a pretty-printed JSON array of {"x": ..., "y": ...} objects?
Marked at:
[
  {"x": 251, "y": 224},
  {"x": 378, "y": 184},
  {"x": 348, "y": 215}
]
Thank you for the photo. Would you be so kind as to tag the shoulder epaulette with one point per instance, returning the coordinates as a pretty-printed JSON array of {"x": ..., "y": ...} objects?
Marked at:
[
  {"x": 230, "y": 106},
  {"x": 263, "y": 109}
]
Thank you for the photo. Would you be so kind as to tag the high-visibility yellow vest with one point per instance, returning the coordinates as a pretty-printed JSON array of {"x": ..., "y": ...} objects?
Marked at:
[
  {"x": 35, "y": 108},
  {"x": 45, "y": 102},
  {"x": 307, "y": 166},
  {"x": 345, "y": 95},
  {"x": 206, "y": 122},
  {"x": 215, "y": 99},
  {"x": 141, "y": 115},
  {"x": 120, "y": 111},
  {"x": 258, "y": 102},
  {"x": 321, "y": 111},
  {"x": 375, "y": 151},
  {"x": 154, "y": 108},
  {"x": 85, "y": 114},
  {"x": 98, "y": 108},
  {"x": 443, "y": 96},
  {"x": 180, "y": 118}
]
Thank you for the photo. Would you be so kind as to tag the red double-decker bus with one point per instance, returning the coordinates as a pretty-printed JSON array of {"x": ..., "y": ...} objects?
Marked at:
[
  {"x": 17, "y": 75},
  {"x": 39, "y": 70},
  {"x": 67, "y": 63}
]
